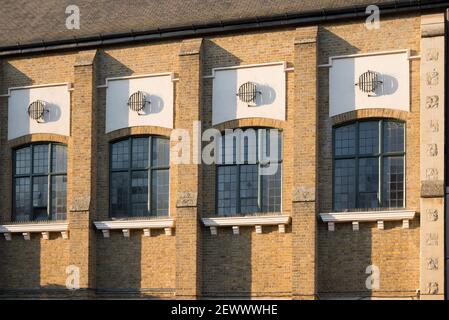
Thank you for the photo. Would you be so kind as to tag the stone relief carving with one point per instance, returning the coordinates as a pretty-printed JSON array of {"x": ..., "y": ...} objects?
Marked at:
[
  {"x": 432, "y": 215},
  {"x": 432, "y": 54},
  {"x": 432, "y": 288},
  {"x": 432, "y": 102},
  {"x": 432, "y": 150},
  {"x": 303, "y": 194},
  {"x": 432, "y": 239},
  {"x": 187, "y": 199},
  {"x": 433, "y": 188},
  {"x": 434, "y": 125},
  {"x": 432, "y": 263},
  {"x": 432, "y": 78},
  {"x": 432, "y": 174},
  {"x": 80, "y": 204}
]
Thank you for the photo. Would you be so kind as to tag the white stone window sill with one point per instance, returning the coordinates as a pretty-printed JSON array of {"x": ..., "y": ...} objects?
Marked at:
[
  {"x": 368, "y": 216},
  {"x": 252, "y": 221},
  {"x": 27, "y": 228},
  {"x": 127, "y": 225}
]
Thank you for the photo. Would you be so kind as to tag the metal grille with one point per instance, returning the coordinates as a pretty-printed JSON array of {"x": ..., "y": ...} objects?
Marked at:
[
  {"x": 368, "y": 82},
  {"x": 137, "y": 101},
  {"x": 36, "y": 110},
  {"x": 247, "y": 92}
]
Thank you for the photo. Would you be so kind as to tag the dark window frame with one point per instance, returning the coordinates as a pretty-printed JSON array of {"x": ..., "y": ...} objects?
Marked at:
[
  {"x": 149, "y": 169},
  {"x": 50, "y": 174},
  {"x": 259, "y": 176},
  {"x": 380, "y": 155}
]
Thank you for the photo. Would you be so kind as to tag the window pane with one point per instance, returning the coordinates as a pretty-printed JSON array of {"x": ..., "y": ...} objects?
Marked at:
[
  {"x": 369, "y": 137},
  {"x": 159, "y": 192},
  {"x": 368, "y": 183},
  {"x": 393, "y": 136},
  {"x": 40, "y": 197},
  {"x": 59, "y": 159},
  {"x": 139, "y": 193},
  {"x": 271, "y": 139},
  {"x": 344, "y": 184},
  {"x": 345, "y": 140},
  {"x": 22, "y": 198},
  {"x": 40, "y": 159},
  {"x": 227, "y": 190},
  {"x": 229, "y": 145},
  {"x": 119, "y": 194},
  {"x": 140, "y": 152},
  {"x": 393, "y": 184},
  {"x": 249, "y": 188},
  {"x": 271, "y": 191},
  {"x": 161, "y": 152},
  {"x": 59, "y": 197},
  {"x": 23, "y": 161},
  {"x": 120, "y": 155}
]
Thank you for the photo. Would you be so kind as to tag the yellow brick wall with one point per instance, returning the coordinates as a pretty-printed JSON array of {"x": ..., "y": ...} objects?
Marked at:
[{"x": 248, "y": 264}]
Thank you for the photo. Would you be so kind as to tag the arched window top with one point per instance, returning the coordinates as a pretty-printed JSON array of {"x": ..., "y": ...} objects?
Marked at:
[{"x": 369, "y": 165}]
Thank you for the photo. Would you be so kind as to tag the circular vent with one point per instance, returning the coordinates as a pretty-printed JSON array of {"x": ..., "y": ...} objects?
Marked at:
[
  {"x": 247, "y": 92},
  {"x": 36, "y": 110},
  {"x": 368, "y": 82},
  {"x": 137, "y": 101}
]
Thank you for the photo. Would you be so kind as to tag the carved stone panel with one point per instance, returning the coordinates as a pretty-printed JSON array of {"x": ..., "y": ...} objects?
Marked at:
[
  {"x": 187, "y": 199},
  {"x": 432, "y": 288},
  {"x": 432, "y": 263},
  {"x": 432, "y": 102},
  {"x": 80, "y": 204},
  {"x": 304, "y": 194}
]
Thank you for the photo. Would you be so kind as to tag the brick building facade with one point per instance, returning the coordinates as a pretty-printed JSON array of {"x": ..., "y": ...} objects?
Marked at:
[{"x": 326, "y": 238}]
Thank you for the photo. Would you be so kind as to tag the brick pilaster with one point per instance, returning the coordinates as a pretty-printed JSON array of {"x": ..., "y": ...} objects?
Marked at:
[
  {"x": 188, "y": 251},
  {"x": 83, "y": 168},
  {"x": 304, "y": 207}
]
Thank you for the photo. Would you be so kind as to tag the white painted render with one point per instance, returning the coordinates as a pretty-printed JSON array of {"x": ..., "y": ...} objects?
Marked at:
[
  {"x": 57, "y": 102},
  {"x": 159, "y": 91},
  {"x": 270, "y": 81},
  {"x": 344, "y": 72}
]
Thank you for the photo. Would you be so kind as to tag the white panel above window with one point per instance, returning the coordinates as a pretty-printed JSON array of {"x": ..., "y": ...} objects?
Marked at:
[
  {"x": 349, "y": 91},
  {"x": 53, "y": 101},
  {"x": 157, "y": 109},
  {"x": 268, "y": 81}
]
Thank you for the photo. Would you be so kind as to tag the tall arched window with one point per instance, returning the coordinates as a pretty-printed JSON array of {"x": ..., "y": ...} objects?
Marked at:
[
  {"x": 369, "y": 165},
  {"x": 139, "y": 177},
  {"x": 40, "y": 182},
  {"x": 249, "y": 173}
]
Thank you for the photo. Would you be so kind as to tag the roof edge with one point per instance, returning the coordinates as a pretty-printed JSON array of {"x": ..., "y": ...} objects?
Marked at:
[{"x": 288, "y": 19}]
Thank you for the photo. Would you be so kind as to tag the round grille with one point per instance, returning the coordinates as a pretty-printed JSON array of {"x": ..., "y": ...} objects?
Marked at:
[
  {"x": 247, "y": 92},
  {"x": 137, "y": 101},
  {"x": 36, "y": 110},
  {"x": 368, "y": 82}
]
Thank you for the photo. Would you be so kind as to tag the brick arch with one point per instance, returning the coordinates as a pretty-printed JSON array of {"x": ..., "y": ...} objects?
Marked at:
[
  {"x": 132, "y": 131},
  {"x": 369, "y": 113},
  {"x": 38, "y": 137},
  {"x": 250, "y": 122}
]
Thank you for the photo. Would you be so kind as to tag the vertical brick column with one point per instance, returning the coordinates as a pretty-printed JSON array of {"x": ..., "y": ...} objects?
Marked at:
[
  {"x": 432, "y": 156},
  {"x": 188, "y": 251},
  {"x": 304, "y": 210},
  {"x": 82, "y": 172}
]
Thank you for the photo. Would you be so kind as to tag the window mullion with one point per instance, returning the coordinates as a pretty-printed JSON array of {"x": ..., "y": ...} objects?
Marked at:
[
  {"x": 356, "y": 159},
  {"x": 49, "y": 164},
  {"x": 130, "y": 173},
  {"x": 381, "y": 165},
  {"x": 31, "y": 183},
  {"x": 150, "y": 175}
]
